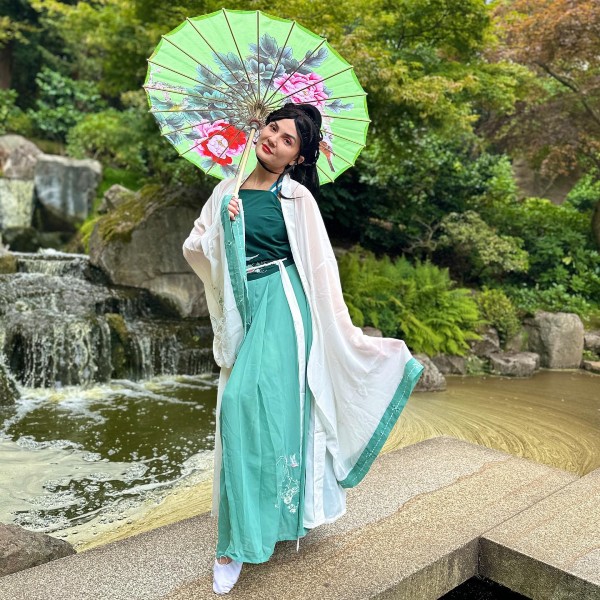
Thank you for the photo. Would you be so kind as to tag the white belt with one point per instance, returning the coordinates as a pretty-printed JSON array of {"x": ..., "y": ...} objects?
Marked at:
[{"x": 260, "y": 265}]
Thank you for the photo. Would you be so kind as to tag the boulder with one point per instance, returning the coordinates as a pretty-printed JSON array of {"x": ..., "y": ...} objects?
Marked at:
[
  {"x": 557, "y": 338},
  {"x": 372, "y": 331},
  {"x": 67, "y": 185},
  {"x": 431, "y": 380},
  {"x": 592, "y": 365},
  {"x": 114, "y": 196},
  {"x": 591, "y": 341},
  {"x": 514, "y": 364},
  {"x": 16, "y": 203},
  {"x": 18, "y": 157},
  {"x": 488, "y": 344},
  {"x": 139, "y": 244},
  {"x": 448, "y": 363},
  {"x": 21, "y": 549}
]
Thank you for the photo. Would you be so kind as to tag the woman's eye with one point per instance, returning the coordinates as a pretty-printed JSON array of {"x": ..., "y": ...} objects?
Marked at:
[{"x": 288, "y": 141}]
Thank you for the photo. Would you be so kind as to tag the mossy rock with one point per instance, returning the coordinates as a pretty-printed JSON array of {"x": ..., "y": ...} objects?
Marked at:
[
  {"x": 119, "y": 224},
  {"x": 120, "y": 341}
]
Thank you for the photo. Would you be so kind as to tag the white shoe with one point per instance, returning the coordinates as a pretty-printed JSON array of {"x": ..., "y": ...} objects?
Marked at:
[{"x": 225, "y": 576}]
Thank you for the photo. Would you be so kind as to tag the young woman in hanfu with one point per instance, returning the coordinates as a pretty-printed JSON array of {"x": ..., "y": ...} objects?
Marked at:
[{"x": 306, "y": 400}]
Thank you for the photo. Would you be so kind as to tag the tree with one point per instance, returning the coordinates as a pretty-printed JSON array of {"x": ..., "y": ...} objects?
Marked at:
[{"x": 557, "y": 126}]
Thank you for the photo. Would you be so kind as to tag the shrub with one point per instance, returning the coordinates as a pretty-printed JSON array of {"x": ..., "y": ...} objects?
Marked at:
[
  {"x": 61, "y": 103},
  {"x": 477, "y": 251},
  {"x": 497, "y": 309},
  {"x": 416, "y": 303}
]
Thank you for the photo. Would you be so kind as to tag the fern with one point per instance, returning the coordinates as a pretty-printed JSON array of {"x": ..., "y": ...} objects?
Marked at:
[{"x": 417, "y": 303}]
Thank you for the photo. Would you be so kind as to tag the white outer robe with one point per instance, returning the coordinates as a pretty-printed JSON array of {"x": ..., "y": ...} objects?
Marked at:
[{"x": 360, "y": 383}]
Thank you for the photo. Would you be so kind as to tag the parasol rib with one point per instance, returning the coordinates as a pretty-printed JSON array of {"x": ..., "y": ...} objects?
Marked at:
[
  {"x": 258, "y": 53},
  {"x": 163, "y": 89},
  {"x": 296, "y": 70},
  {"x": 238, "y": 50},
  {"x": 223, "y": 151},
  {"x": 201, "y": 140},
  {"x": 190, "y": 127},
  {"x": 345, "y": 138},
  {"x": 200, "y": 65},
  {"x": 315, "y": 83},
  {"x": 324, "y": 173},
  {"x": 277, "y": 63},
  {"x": 316, "y": 102},
  {"x": 214, "y": 51}
]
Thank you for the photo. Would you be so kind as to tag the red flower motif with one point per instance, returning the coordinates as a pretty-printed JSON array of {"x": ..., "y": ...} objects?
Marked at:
[{"x": 219, "y": 141}]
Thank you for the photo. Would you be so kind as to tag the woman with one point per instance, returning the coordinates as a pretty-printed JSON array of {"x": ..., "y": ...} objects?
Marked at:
[{"x": 305, "y": 399}]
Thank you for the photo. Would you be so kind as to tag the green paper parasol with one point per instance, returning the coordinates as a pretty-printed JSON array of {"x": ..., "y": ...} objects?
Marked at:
[{"x": 213, "y": 80}]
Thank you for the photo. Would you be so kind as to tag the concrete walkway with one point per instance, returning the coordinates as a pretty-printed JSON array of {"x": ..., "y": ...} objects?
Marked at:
[{"x": 426, "y": 518}]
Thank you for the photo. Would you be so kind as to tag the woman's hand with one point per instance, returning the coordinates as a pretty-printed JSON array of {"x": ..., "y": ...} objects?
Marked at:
[{"x": 233, "y": 207}]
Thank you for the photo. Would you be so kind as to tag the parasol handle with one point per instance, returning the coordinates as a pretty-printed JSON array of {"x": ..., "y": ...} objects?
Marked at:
[{"x": 244, "y": 160}]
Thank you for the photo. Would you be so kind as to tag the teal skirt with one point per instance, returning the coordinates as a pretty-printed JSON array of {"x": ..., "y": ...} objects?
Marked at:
[{"x": 262, "y": 479}]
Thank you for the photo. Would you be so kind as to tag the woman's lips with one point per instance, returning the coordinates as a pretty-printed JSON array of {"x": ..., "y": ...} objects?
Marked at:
[{"x": 266, "y": 149}]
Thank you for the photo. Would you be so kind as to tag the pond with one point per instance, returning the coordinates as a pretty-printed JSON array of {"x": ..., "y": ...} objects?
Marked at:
[{"x": 95, "y": 464}]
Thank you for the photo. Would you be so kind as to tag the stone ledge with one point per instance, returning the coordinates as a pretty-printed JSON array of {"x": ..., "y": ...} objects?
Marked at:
[{"x": 416, "y": 527}]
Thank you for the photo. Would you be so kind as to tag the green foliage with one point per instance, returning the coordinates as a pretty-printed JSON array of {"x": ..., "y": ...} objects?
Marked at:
[
  {"x": 61, "y": 103},
  {"x": 416, "y": 303},
  {"x": 497, "y": 309},
  {"x": 476, "y": 251},
  {"x": 586, "y": 193},
  {"x": 111, "y": 136},
  {"x": 563, "y": 262},
  {"x": 556, "y": 298}
]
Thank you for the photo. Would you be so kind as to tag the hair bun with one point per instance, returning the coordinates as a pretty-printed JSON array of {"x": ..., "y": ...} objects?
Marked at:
[{"x": 313, "y": 112}]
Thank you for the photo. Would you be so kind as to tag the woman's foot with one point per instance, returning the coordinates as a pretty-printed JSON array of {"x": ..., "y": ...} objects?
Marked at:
[{"x": 225, "y": 574}]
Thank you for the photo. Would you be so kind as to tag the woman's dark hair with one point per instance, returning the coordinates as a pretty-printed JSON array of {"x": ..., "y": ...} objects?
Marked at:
[{"x": 308, "y": 125}]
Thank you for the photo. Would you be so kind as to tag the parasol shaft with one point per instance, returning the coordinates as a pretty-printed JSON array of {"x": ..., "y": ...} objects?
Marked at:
[{"x": 243, "y": 161}]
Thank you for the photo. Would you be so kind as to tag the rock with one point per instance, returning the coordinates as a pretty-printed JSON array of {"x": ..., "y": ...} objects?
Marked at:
[
  {"x": 517, "y": 343},
  {"x": 488, "y": 344},
  {"x": 9, "y": 393},
  {"x": 18, "y": 157},
  {"x": 476, "y": 365},
  {"x": 67, "y": 185},
  {"x": 557, "y": 338},
  {"x": 114, "y": 196},
  {"x": 431, "y": 380},
  {"x": 372, "y": 331},
  {"x": 16, "y": 203},
  {"x": 592, "y": 365},
  {"x": 514, "y": 364},
  {"x": 21, "y": 549},
  {"x": 591, "y": 341},
  {"x": 448, "y": 363},
  {"x": 124, "y": 245}
]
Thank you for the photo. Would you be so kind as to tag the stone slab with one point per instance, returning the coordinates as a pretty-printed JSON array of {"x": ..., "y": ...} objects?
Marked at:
[
  {"x": 411, "y": 531},
  {"x": 552, "y": 549}
]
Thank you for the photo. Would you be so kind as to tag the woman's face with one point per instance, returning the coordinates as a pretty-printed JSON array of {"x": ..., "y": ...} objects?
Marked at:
[{"x": 278, "y": 144}]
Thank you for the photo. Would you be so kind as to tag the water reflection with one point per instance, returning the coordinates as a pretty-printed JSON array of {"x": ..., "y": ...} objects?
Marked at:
[
  {"x": 100, "y": 464},
  {"x": 552, "y": 417},
  {"x": 71, "y": 454}
]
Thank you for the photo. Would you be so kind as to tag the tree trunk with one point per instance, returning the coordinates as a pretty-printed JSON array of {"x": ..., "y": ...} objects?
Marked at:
[
  {"x": 596, "y": 224},
  {"x": 6, "y": 66}
]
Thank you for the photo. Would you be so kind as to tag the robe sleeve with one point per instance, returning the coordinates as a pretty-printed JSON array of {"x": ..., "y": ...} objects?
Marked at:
[
  {"x": 361, "y": 383},
  {"x": 203, "y": 250}
]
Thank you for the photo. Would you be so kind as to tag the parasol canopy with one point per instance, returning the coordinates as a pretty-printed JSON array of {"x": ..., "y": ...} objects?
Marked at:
[{"x": 212, "y": 81}]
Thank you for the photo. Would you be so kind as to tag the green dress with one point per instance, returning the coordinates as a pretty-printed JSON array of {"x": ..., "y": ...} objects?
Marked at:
[{"x": 263, "y": 468}]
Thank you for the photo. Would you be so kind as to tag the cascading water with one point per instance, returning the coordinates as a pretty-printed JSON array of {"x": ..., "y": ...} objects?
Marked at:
[{"x": 117, "y": 397}]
